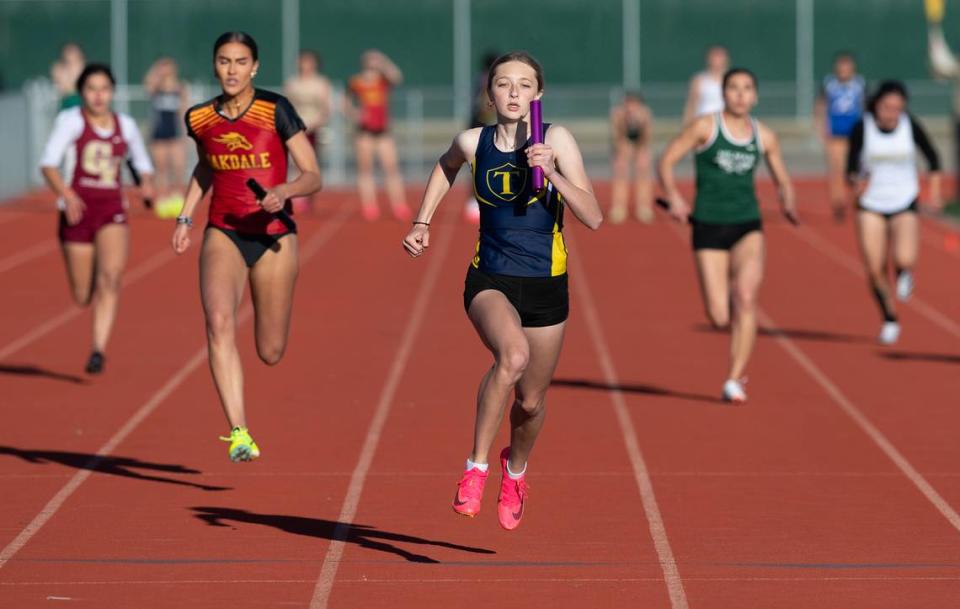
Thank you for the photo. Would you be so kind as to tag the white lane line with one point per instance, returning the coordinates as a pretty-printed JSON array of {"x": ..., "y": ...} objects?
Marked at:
[
  {"x": 81, "y": 476},
  {"x": 144, "y": 411},
  {"x": 863, "y": 423},
  {"x": 139, "y": 272},
  {"x": 135, "y": 275},
  {"x": 24, "y": 256},
  {"x": 787, "y": 344},
  {"x": 658, "y": 531},
  {"x": 348, "y": 511},
  {"x": 848, "y": 262}
]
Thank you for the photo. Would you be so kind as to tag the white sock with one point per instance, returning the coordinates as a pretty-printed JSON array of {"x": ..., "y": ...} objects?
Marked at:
[
  {"x": 516, "y": 476},
  {"x": 481, "y": 466}
]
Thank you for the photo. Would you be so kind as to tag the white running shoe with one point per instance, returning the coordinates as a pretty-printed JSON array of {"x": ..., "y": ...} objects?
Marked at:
[
  {"x": 733, "y": 391},
  {"x": 889, "y": 333},
  {"x": 905, "y": 285}
]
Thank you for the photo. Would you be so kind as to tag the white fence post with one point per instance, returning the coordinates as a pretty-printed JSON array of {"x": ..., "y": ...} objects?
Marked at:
[
  {"x": 805, "y": 77},
  {"x": 290, "y": 35},
  {"x": 462, "y": 81},
  {"x": 118, "y": 49},
  {"x": 631, "y": 44}
]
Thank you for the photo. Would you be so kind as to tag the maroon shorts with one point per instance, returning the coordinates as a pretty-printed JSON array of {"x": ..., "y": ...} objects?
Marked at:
[{"x": 95, "y": 217}]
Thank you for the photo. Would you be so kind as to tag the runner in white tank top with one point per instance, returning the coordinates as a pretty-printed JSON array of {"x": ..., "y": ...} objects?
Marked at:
[
  {"x": 881, "y": 166},
  {"x": 889, "y": 159},
  {"x": 706, "y": 88},
  {"x": 709, "y": 94}
]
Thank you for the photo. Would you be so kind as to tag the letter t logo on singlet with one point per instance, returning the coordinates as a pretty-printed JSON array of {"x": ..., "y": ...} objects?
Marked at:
[
  {"x": 505, "y": 190},
  {"x": 506, "y": 181}
]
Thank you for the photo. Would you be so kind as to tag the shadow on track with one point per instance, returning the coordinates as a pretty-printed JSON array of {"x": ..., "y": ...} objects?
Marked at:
[
  {"x": 635, "y": 388},
  {"x": 945, "y": 358},
  {"x": 31, "y": 370},
  {"x": 362, "y": 535},
  {"x": 109, "y": 464},
  {"x": 799, "y": 334}
]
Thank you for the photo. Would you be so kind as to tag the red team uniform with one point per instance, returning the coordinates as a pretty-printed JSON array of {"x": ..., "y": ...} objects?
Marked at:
[
  {"x": 373, "y": 96},
  {"x": 251, "y": 146}
]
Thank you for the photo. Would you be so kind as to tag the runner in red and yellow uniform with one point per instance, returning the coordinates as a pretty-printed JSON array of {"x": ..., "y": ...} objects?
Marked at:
[
  {"x": 370, "y": 91},
  {"x": 241, "y": 134}
]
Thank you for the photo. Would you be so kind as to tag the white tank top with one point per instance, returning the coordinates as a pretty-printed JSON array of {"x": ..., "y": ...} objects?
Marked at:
[
  {"x": 890, "y": 162},
  {"x": 709, "y": 95}
]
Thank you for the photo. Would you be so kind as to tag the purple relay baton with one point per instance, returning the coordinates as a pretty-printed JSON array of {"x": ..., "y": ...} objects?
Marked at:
[{"x": 536, "y": 126}]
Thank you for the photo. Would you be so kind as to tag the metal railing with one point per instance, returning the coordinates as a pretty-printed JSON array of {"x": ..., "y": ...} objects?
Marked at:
[{"x": 425, "y": 121}]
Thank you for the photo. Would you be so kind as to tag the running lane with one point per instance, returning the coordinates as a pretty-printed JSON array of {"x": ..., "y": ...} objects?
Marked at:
[{"x": 786, "y": 501}]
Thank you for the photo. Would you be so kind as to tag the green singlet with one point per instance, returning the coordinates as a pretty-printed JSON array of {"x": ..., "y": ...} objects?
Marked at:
[{"x": 724, "y": 167}]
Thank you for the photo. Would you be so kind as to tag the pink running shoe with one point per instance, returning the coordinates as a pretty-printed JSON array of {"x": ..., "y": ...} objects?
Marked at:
[
  {"x": 370, "y": 213},
  {"x": 471, "y": 211},
  {"x": 469, "y": 492},
  {"x": 402, "y": 212},
  {"x": 513, "y": 495}
]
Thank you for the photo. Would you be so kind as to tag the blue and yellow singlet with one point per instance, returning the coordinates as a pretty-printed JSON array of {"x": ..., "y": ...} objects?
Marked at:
[{"x": 520, "y": 229}]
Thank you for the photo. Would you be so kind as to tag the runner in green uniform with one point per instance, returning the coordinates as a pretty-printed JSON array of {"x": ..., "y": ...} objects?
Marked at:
[{"x": 728, "y": 238}]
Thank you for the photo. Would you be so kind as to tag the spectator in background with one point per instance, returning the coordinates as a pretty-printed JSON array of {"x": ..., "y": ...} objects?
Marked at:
[
  {"x": 64, "y": 73},
  {"x": 630, "y": 126},
  {"x": 706, "y": 88},
  {"x": 839, "y": 106},
  {"x": 944, "y": 65},
  {"x": 369, "y": 107},
  {"x": 311, "y": 94},
  {"x": 169, "y": 100},
  {"x": 482, "y": 114}
]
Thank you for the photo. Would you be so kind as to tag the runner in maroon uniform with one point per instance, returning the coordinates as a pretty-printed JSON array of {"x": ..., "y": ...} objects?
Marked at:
[
  {"x": 91, "y": 141},
  {"x": 241, "y": 134}
]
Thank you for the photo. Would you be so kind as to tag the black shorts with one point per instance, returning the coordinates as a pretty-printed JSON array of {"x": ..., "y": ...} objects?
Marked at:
[
  {"x": 721, "y": 236},
  {"x": 166, "y": 127},
  {"x": 252, "y": 246},
  {"x": 374, "y": 131},
  {"x": 540, "y": 301},
  {"x": 910, "y": 209}
]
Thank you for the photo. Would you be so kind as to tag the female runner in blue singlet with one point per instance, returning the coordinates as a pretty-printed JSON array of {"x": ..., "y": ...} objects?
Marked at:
[{"x": 516, "y": 287}]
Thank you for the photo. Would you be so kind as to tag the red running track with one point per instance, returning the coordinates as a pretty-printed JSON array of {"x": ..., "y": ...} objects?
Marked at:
[{"x": 835, "y": 486}]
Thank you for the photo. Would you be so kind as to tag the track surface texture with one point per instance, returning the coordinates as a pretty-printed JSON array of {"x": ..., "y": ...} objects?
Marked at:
[{"x": 836, "y": 485}]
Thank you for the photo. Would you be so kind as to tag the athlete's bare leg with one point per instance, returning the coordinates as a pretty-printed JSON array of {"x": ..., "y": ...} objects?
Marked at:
[
  {"x": 366, "y": 185},
  {"x": 387, "y": 151},
  {"x": 272, "y": 280},
  {"x": 223, "y": 274},
  {"x": 713, "y": 270},
  {"x": 746, "y": 270},
  {"x": 112, "y": 244},
  {"x": 529, "y": 408}
]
